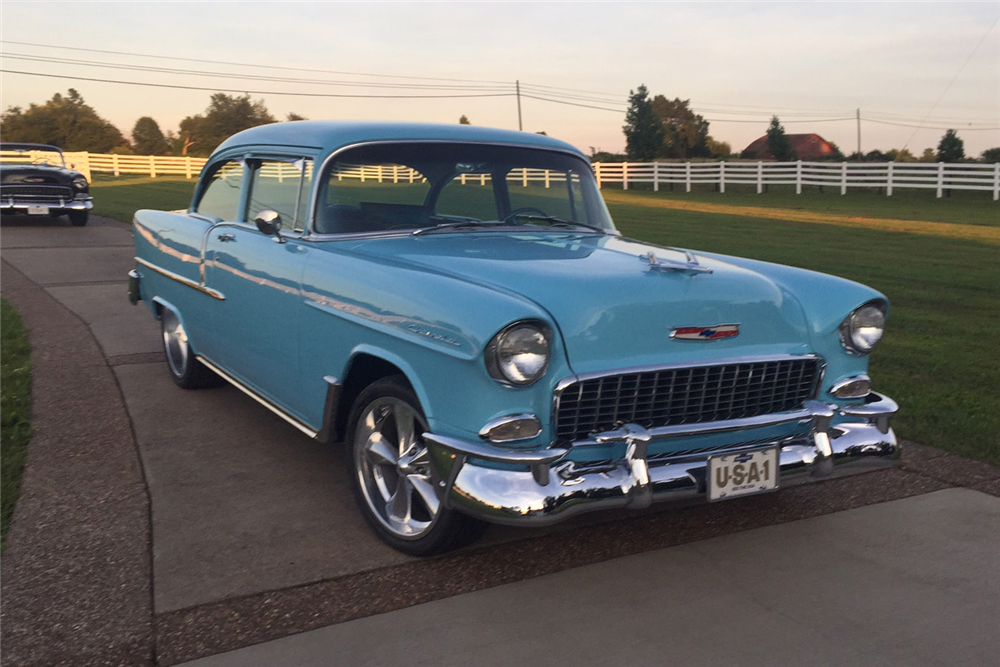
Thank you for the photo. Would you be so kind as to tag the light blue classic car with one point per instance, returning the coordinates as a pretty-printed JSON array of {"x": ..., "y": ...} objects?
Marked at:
[{"x": 455, "y": 304}]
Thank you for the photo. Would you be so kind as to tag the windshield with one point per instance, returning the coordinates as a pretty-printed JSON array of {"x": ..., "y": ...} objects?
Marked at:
[
  {"x": 458, "y": 187},
  {"x": 32, "y": 154}
]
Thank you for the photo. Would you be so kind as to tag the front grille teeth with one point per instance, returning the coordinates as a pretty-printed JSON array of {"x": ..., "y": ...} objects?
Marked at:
[{"x": 686, "y": 395}]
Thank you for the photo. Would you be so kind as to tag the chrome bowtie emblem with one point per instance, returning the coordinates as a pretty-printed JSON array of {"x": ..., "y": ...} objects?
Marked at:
[{"x": 705, "y": 333}]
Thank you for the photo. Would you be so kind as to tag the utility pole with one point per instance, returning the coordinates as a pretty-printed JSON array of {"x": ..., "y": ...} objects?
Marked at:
[
  {"x": 859, "y": 132},
  {"x": 517, "y": 84}
]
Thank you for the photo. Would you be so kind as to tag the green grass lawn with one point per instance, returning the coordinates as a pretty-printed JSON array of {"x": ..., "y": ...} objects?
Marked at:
[
  {"x": 15, "y": 409},
  {"x": 964, "y": 206},
  {"x": 121, "y": 197},
  {"x": 939, "y": 359}
]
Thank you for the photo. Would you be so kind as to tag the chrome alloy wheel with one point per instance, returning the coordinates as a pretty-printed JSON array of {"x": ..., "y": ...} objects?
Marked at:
[
  {"x": 394, "y": 468},
  {"x": 175, "y": 343}
]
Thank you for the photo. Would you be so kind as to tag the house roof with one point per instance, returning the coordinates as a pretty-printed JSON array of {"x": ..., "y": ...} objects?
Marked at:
[
  {"x": 804, "y": 145},
  {"x": 329, "y": 136}
]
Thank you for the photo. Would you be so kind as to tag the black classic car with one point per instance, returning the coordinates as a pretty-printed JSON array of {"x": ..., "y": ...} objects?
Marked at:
[{"x": 42, "y": 186}]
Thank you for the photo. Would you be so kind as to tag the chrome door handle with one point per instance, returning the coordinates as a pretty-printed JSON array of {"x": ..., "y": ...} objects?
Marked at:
[{"x": 225, "y": 238}]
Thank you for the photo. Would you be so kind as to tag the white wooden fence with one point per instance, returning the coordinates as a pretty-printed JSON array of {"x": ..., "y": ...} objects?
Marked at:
[{"x": 937, "y": 176}]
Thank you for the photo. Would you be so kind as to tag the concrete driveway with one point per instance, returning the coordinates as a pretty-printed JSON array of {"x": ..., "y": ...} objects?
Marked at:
[{"x": 253, "y": 535}]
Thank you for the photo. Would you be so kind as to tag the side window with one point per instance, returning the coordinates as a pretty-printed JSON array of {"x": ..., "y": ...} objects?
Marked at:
[
  {"x": 221, "y": 196},
  {"x": 282, "y": 186},
  {"x": 468, "y": 195}
]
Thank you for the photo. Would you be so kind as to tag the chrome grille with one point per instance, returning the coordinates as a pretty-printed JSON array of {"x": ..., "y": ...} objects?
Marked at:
[
  {"x": 687, "y": 395},
  {"x": 36, "y": 191}
]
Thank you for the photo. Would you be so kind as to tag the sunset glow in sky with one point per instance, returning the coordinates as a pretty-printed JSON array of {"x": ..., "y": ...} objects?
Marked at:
[{"x": 736, "y": 62}]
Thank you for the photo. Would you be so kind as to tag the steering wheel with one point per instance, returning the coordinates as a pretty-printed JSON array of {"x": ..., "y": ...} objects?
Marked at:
[{"x": 524, "y": 210}]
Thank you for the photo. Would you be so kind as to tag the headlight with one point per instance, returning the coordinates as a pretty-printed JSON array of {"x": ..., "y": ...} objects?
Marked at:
[
  {"x": 863, "y": 328},
  {"x": 519, "y": 354},
  {"x": 80, "y": 183}
]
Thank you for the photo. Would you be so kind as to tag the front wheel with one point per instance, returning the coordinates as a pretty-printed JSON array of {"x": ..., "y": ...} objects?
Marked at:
[
  {"x": 392, "y": 476},
  {"x": 79, "y": 218}
]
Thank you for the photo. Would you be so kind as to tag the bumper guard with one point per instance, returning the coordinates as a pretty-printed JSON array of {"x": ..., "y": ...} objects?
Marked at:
[{"x": 551, "y": 489}]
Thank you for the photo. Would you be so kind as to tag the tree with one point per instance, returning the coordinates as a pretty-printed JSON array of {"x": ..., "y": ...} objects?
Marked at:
[
  {"x": 928, "y": 155},
  {"x": 900, "y": 155},
  {"x": 991, "y": 155},
  {"x": 685, "y": 133},
  {"x": 643, "y": 129},
  {"x": 225, "y": 116},
  {"x": 464, "y": 120},
  {"x": 718, "y": 148},
  {"x": 67, "y": 122},
  {"x": 294, "y": 116},
  {"x": 147, "y": 139},
  {"x": 951, "y": 148},
  {"x": 777, "y": 142}
]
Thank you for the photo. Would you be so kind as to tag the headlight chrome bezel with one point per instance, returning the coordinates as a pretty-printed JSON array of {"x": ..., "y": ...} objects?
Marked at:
[
  {"x": 493, "y": 354},
  {"x": 852, "y": 338},
  {"x": 80, "y": 183}
]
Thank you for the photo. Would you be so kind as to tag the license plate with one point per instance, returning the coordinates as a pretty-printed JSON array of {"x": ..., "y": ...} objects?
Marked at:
[
  {"x": 38, "y": 210},
  {"x": 742, "y": 474}
]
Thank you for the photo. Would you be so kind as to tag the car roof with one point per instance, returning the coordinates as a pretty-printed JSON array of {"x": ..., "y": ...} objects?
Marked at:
[
  {"x": 12, "y": 146},
  {"x": 329, "y": 136}
]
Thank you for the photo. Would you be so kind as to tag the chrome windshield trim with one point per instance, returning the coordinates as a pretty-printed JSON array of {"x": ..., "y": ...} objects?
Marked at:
[
  {"x": 320, "y": 175},
  {"x": 215, "y": 294}
]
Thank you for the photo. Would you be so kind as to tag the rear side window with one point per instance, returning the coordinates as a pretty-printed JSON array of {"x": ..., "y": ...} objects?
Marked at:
[
  {"x": 282, "y": 186},
  {"x": 221, "y": 196}
]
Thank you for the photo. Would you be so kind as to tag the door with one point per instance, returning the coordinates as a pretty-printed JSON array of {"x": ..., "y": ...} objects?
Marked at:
[{"x": 257, "y": 324}]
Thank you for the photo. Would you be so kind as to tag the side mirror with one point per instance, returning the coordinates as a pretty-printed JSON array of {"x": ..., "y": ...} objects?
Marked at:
[{"x": 269, "y": 222}]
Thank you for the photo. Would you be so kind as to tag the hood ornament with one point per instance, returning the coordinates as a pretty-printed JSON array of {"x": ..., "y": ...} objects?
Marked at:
[
  {"x": 705, "y": 333},
  {"x": 660, "y": 264}
]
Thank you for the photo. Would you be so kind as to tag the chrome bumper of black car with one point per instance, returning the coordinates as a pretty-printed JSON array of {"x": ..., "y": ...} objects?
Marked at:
[
  {"x": 8, "y": 204},
  {"x": 548, "y": 489}
]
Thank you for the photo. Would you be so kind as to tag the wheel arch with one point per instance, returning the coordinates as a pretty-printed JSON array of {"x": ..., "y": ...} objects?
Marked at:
[{"x": 366, "y": 365}]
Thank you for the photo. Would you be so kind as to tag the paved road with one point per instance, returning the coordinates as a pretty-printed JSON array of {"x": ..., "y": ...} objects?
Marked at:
[
  {"x": 254, "y": 535},
  {"x": 908, "y": 582}
]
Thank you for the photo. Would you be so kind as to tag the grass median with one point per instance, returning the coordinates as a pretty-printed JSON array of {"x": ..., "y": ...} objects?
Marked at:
[
  {"x": 936, "y": 260},
  {"x": 15, "y": 410}
]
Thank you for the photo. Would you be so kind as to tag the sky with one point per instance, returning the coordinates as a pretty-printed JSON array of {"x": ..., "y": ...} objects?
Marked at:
[{"x": 811, "y": 63}]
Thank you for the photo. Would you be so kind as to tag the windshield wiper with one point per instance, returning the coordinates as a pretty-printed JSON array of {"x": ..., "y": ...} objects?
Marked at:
[
  {"x": 471, "y": 222},
  {"x": 556, "y": 221}
]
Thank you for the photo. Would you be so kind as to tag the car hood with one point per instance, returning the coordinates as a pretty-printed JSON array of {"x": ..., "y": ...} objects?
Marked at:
[
  {"x": 611, "y": 308},
  {"x": 51, "y": 174}
]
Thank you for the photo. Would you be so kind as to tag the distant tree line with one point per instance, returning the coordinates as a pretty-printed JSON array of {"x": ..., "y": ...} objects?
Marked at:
[
  {"x": 68, "y": 122},
  {"x": 658, "y": 128}
]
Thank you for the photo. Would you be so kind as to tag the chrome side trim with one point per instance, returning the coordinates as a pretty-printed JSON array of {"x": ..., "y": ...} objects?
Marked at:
[
  {"x": 302, "y": 426},
  {"x": 215, "y": 294}
]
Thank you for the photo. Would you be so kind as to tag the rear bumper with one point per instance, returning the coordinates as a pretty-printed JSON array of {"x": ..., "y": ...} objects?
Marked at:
[
  {"x": 13, "y": 204},
  {"x": 548, "y": 489}
]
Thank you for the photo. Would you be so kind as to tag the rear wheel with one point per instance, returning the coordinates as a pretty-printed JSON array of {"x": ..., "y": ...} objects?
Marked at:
[
  {"x": 79, "y": 218},
  {"x": 392, "y": 477},
  {"x": 185, "y": 369}
]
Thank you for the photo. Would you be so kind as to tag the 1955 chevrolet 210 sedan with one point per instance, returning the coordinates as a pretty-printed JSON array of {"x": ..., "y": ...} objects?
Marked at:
[{"x": 455, "y": 304}]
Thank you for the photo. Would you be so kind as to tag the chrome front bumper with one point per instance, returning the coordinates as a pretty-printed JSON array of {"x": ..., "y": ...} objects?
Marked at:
[
  {"x": 11, "y": 203},
  {"x": 547, "y": 489}
]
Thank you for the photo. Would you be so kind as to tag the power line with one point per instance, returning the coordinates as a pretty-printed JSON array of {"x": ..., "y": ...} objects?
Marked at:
[
  {"x": 254, "y": 65},
  {"x": 928, "y": 127},
  {"x": 248, "y": 77},
  {"x": 953, "y": 79},
  {"x": 253, "y": 92}
]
